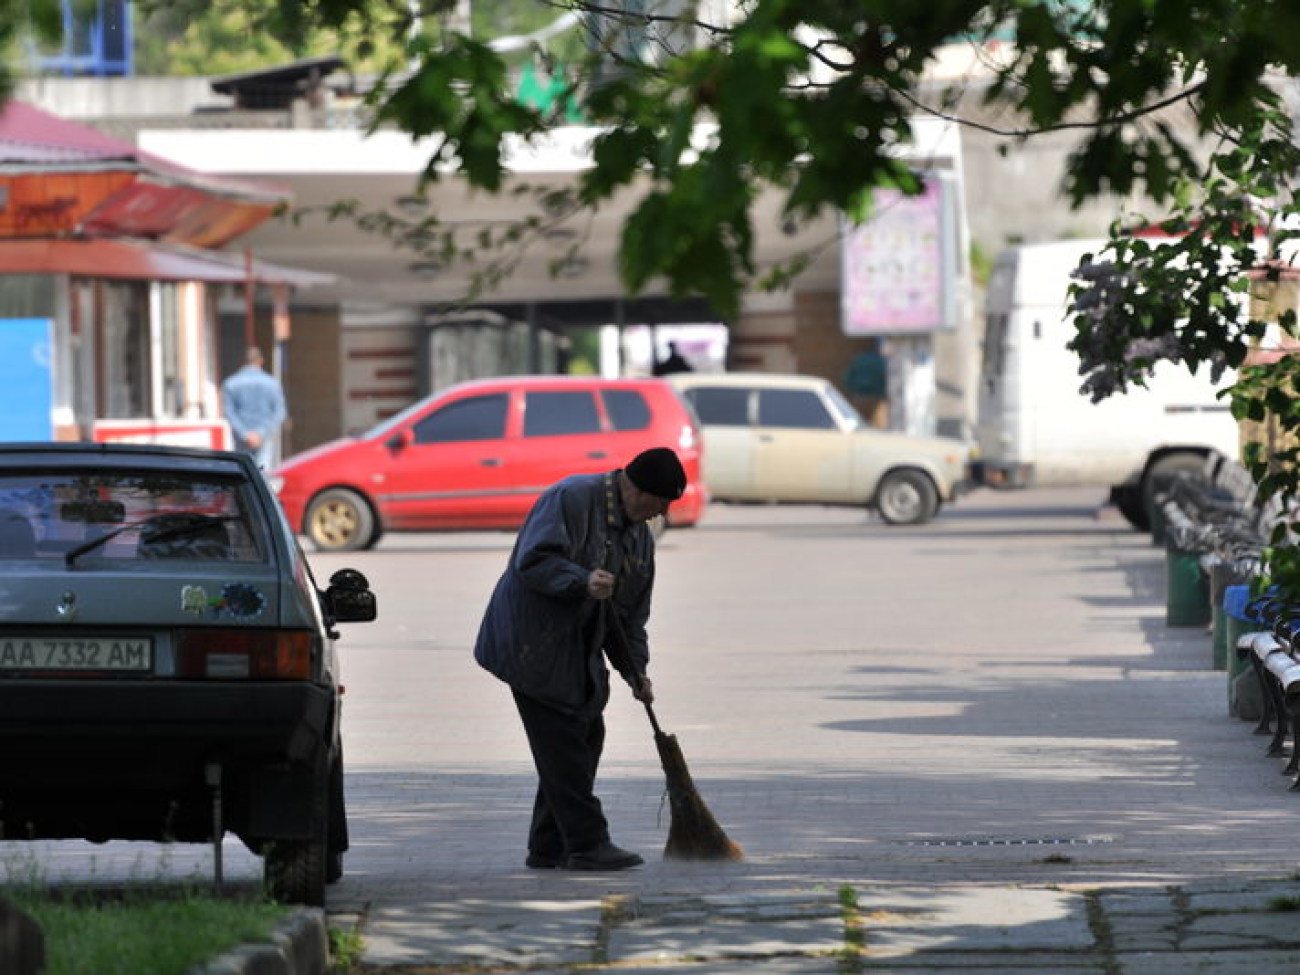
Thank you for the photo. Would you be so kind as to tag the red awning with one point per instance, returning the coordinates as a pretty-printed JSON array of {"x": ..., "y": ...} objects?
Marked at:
[
  {"x": 143, "y": 261},
  {"x": 58, "y": 177}
]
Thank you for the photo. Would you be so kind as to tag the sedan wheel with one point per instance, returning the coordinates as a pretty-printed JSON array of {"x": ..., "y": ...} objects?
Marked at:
[
  {"x": 907, "y": 498},
  {"x": 340, "y": 520},
  {"x": 296, "y": 871}
]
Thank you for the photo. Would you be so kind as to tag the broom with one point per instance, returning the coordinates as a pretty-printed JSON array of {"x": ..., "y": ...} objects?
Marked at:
[{"x": 693, "y": 833}]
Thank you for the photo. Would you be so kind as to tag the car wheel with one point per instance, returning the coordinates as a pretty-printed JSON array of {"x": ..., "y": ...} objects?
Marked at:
[
  {"x": 338, "y": 824},
  {"x": 906, "y": 498},
  {"x": 296, "y": 871},
  {"x": 1127, "y": 498},
  {"x": 339, "y": 520}
]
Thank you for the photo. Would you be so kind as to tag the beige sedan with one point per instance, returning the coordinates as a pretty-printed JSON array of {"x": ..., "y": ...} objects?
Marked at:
[{"x": 786, "y": 438}]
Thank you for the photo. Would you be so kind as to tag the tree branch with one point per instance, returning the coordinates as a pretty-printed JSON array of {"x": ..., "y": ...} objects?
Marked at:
[{"x": 1119, "y": 119}]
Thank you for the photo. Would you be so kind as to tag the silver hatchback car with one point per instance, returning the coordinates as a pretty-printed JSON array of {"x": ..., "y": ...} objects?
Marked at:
[
  {"x": 791, "y": 438},
  {"x": 167, "y": 663}
]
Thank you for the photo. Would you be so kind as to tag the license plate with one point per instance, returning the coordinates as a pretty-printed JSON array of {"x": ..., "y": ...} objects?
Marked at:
[{"x": 76, "y": 653}]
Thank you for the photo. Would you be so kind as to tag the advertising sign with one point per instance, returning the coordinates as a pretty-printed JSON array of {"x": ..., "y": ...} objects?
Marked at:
[{"x": 898, "y": 268}]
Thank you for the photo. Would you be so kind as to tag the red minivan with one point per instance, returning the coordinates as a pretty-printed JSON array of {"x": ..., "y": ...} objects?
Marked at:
[{"x": 477, "y": 455}]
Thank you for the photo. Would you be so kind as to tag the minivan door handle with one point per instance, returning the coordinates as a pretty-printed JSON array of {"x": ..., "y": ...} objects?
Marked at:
[
  {"x": 596, "y": 454},
  {"x": 490, "y": 462}
]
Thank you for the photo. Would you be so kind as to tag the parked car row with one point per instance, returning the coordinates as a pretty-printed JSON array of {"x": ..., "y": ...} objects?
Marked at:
[{"x": 477, "y": 455}]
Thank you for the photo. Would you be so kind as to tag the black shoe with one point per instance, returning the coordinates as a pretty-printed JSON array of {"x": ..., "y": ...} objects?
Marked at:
[
  {"x": 541, "y": 861},
  {"x": 603, "y": 856}
]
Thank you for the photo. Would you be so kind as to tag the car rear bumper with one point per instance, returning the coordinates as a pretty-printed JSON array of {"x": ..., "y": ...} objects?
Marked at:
[
  {"x": 284, "y": 719},
  {"x": 998, "y": 475},
  {"x": 131, "y": 759}
]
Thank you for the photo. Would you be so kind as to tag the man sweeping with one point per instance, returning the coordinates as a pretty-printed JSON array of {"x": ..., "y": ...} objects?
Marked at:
[{"x": 585, "y": 543}]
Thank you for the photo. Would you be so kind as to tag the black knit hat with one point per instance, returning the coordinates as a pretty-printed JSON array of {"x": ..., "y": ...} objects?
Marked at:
[{"x": 657, "y": 471}]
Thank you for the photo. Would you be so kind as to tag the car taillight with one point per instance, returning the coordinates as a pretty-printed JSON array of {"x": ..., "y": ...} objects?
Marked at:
[{"x": 243, "y": 654}]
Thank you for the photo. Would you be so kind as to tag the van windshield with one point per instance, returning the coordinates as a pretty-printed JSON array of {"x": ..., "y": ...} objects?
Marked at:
[{"x": 851, "y": 418}]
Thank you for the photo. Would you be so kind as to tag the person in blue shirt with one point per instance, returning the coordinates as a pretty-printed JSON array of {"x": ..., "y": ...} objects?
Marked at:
[{"x": 253, "y": 402}]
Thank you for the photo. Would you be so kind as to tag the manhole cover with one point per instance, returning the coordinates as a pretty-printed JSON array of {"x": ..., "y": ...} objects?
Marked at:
[{"x": 1010, "y": 841}]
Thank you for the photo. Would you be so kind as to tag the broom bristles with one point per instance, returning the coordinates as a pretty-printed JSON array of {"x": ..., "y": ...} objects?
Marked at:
[{"x": 693, "y": 833}]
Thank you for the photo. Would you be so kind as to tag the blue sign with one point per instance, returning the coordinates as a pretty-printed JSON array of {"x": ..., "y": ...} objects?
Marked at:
[{"x": 26, "y": 378}]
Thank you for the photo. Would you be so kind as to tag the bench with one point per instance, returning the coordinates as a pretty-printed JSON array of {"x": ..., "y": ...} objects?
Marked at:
[
  {"x": 1214, "y": 508},
  {"x": 1214, "y": 531},
  {"x": 1274, "y": 655}
]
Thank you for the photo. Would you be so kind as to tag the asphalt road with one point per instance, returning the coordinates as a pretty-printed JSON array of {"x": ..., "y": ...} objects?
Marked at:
[{"x": 970, "y": 696}]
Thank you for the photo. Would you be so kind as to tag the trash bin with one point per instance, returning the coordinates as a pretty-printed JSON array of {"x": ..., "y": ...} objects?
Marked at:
[
  {"x": 1223, "y": 573},
  {"x": 1187, "y": 600},
  {"x": 1243, "y": 615}
]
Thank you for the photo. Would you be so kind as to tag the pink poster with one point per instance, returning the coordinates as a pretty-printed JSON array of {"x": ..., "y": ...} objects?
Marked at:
[{"x": 893, "y": 266}]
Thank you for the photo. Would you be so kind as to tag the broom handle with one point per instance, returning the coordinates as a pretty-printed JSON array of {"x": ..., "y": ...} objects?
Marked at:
[
  {"x": 654, "y": 722},
  {"x": 616, "y": 624}
]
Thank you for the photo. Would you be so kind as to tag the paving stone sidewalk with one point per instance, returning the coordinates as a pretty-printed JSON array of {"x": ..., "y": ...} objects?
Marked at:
[{"x": 1218, "y": 927}]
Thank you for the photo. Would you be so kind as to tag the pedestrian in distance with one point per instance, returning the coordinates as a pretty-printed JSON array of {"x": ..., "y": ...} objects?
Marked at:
[
  {"x": 584, "y": 551},
  {"x": 253, "y": 402},
  {"x": 674, "y": 362}
]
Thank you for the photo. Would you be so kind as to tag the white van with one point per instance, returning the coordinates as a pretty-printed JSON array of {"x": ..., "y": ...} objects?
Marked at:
[{"x": 1035, "y": 426}]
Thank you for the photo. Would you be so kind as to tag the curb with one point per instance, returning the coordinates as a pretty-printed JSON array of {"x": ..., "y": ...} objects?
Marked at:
[{"x": 298, "y": 946}]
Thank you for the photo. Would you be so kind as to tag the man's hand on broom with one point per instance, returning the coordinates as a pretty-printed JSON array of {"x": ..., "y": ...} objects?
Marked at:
[
  {"x": 600, "y": 584},
  {"x": 643, "y": 690}
]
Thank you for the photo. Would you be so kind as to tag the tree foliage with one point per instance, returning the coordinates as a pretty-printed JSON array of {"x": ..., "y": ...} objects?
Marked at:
[
  {"x": 1204, "y": 295},
  {"x": 23, "y": 26},
  {"x": 812, "y": 97},
  {"x": 215, "y": 37}
]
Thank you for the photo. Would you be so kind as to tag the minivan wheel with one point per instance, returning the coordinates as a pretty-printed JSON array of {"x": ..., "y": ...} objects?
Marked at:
[
  {"x": 906, "y": 498},
  {"x": 340, "y": 520}
]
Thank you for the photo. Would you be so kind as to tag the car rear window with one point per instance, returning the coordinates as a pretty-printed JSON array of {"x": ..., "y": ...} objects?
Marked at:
[
  {"x": 114, "y": 515},
  {"x": 552, "y": 414},
  {"x": 720, "y": 406},
  {"x": 627, "y": 409}
]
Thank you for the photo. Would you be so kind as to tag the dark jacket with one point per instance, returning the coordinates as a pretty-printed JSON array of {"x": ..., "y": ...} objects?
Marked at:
[{"x": 541, "y": 633}]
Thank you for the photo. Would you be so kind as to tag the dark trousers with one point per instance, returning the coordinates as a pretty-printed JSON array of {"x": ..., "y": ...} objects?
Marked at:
[{"x": 566, "y": 749}]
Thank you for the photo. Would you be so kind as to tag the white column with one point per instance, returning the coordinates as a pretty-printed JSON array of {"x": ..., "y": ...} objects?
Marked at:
[{"x": 912, "y": 388}]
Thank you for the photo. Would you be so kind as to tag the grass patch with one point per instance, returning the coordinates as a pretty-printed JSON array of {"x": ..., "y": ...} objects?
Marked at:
[
  {"x": 1284, "y": 903},
  {"x": 137, "y": 933},
  {"x": 855, "y": 935},
  {"x": 346, "y": 948}
]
